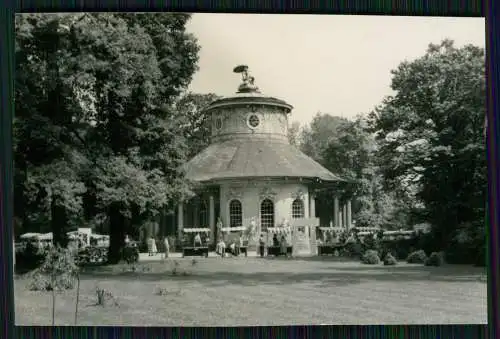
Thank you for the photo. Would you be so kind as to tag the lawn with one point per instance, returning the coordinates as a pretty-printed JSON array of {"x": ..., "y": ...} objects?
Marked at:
[{"x": 255, "y": 291}]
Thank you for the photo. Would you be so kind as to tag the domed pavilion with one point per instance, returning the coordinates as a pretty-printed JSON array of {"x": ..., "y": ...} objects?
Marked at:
[{"x": 250, "y": 172}]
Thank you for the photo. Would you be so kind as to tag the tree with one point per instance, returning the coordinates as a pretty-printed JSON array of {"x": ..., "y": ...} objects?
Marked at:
[
  {"x": 430, "y": 135},
  {"x": 294, "y": 131},
  {"x": 103, "y": 86},
  {"x": 194, "y": 122},
  {"x": 316, "y": 136},
  {"x": 47, "y": 189}
]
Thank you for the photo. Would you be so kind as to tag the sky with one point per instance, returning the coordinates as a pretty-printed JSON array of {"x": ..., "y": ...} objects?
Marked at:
[{"x": 335, "y": 64}]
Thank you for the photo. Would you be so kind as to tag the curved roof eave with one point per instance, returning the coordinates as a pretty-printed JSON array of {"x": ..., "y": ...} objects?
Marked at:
[{"x": 241, "y": 159}]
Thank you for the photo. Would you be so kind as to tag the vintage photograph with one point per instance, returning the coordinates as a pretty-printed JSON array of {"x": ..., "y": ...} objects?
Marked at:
[{"x": 176, "y": 169}]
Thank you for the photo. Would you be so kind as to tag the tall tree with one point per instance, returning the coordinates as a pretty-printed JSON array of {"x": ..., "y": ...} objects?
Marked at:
[
  {"x": 316, "y": 136},
  {"x": 104, "y": 86},
  {"x": 194, "y": 122},
  {"x": 431, "y": 134},
  {"x": 294, "y": 136}
]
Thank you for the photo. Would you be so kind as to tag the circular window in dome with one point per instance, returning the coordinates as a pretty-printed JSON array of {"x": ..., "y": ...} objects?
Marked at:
[
  {"x": 218, "y": 123},
  {"x": 253, "y": 121}
]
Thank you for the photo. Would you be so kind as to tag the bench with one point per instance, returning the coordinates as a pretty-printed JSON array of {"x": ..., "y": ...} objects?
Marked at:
[
  {"x": 195, "y": 251},
  {"x": 276, "y": 250}
]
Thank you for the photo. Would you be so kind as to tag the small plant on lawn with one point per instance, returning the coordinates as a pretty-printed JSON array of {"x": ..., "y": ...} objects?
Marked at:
[
  {"x": 370, "y": 257},
  {"x": 175, "y": 267},
  {"x": 162, "y": 291},
  {"x": 389, "y": 260},
  {"x": 435, "y": 259},
  {"x": 417, "y": 257},
  {"x": 58, "y": 272},
  {"x": 103, "y": 296}
]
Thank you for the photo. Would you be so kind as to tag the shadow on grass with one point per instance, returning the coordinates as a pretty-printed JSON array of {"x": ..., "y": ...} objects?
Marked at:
[{"x": 330, "y": 276}]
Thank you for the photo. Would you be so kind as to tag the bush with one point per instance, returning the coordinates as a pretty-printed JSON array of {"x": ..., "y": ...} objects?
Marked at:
[
  {"x": 58, "y": 271},
  {"x": 353, "y": 250},
  {"x": 371, "y": 258},
  {"x": 105, "y": 297},
  {"x": 417, "y": 257},
  {"x": 435, "y": 259},
  {"x": 92, "y": 255},
  {"x": 389, "y": 260},
  {"x": 131, "y": 254}
]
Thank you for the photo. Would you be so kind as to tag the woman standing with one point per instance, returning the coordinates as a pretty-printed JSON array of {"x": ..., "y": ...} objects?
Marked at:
[
  {"x": 167, "y": 247},
  {"x": 150, "y": 246},
  {"x": 261, "y": 245},
  {"x": 283, "y": 245}
]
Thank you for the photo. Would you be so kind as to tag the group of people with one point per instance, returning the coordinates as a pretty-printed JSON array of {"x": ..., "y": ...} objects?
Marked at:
[
  {"x": 281, "y": 243},
  {"x": 197, "y": 240},
  {"x": 153, "y": 249},
  {"x": 233, "y": 248}
]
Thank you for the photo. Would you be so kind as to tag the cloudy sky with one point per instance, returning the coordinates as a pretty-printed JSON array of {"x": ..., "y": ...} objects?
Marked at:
[{"x": 333, "y": 64}]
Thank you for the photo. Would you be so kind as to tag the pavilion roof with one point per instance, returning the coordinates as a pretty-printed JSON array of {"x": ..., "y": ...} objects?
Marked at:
[{"x": 243, "y": 158}]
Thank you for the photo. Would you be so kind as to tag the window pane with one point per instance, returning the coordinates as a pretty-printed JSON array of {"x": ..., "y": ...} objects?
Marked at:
[
  {"x": 266, "y": 214},
  {"x": 297, "y": 209}
]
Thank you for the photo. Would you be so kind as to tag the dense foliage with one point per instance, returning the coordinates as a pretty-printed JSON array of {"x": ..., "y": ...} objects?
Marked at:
[
  {"x": 419, "y": 157},
  {"x": 100, "y": 129}
]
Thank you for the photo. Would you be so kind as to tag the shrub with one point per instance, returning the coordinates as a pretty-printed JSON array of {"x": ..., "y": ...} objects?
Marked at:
[
  {"x": 389, "y": 260},
  {"x": 371, "y": 258},
  {"x": 161, "y": 291},
  {"x": 417, "y": 257},
  {"x": 435, "y": 259},
  {"x": 58, "y": 271},
  {"x": 353, "y": 249},
  {"x": 104, "y": 296},
  {"x": 131, "y": 254}
]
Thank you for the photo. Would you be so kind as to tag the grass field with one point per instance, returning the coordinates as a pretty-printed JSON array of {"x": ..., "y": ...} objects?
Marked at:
[{"x": 255, "y": 291}]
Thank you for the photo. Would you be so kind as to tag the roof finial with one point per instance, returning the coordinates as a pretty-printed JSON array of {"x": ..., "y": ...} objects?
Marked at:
[{"x": 248, "y": 81}]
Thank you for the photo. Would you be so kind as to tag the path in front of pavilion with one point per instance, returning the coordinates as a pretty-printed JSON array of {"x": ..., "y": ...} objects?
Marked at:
[{"x": 145, "y": 256}]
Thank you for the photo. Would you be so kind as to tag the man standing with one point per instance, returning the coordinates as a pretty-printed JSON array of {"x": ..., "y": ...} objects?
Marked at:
[
  {"x": 167, "y": 247},
  {"x": 261, "y": 245}
]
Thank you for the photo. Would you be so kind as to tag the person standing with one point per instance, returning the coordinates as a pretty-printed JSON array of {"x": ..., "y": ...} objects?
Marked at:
[
  {"x": 167, "y": 247},
  {"x": 275, "y": 240},
  {"x": 154, "y": 249},
  {"x": 261, "y": 245},
  {"x": 219, "y": 226},
  {"x": 283, "y": 245},
  {"x": 197, "y": 240},
  {"x": 150, "y": 246},
  {"x": 221, "y": 248}
]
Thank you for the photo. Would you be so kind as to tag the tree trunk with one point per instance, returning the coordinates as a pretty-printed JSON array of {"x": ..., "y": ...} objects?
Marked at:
[
  {"x": 116, "y": 234},
  {"x": 58, "y": 223}
]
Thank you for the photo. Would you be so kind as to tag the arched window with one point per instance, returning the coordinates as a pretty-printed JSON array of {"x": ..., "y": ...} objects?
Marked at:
[
  {"x": 235, "y": 214},
  {"x": 297, "y": 209},
  {"x": 203, "y": 214},
  {"x": 266, "y": 214}
]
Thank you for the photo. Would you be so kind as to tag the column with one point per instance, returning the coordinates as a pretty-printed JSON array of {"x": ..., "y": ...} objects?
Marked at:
[
  {"x": 340, "y": 219},
  {"x": 312, "y": 205},
  {"x": 211, "y": 217},
  {"x": 180, "y": 219},
  {"x": 196, "y": 216},
  {"x": 349, "y": 214},
  {"x": 336, "y": 221},
  {"x": 344, "y": 215}
]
